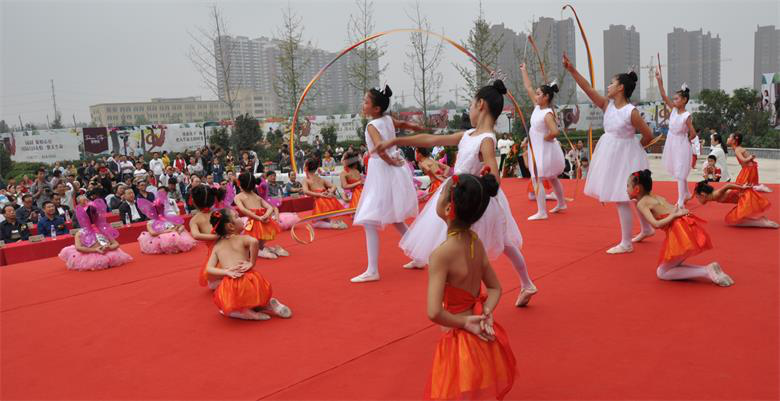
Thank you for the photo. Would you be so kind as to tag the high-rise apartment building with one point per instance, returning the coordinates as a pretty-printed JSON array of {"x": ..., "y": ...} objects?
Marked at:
[
  {"x": 694, "y": 59},
  {"x": 621, "y": 54},
  {"x": 766, "y": 56}
]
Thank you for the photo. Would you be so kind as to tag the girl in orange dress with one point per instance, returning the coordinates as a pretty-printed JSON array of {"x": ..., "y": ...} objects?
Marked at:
[
  {"x": 474, "y": 358},
  {"x": 749, "y": 204},
  {"x": 243, "y": 293},
  {"x": 261, "y": 216},
  {"x": 435, "y": 170},
  {"x": 203, "y": 198},
  {"x": 324, "y": 195},
  {"x": 351, "y": 178},
  {"x": 749, "y": 172},
  {"x": 685, "y": 236}
]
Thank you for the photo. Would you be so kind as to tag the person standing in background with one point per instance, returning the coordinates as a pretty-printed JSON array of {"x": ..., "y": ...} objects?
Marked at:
[
  {"x": 720, "y": 151},
  {"x": 504, "y": 146}
]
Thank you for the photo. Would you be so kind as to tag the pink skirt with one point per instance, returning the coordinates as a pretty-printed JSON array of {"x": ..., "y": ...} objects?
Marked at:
[{"x": 75, "y": 260}]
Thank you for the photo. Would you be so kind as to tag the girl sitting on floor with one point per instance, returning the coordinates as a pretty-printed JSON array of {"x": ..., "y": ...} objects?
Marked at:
[
  {"x": 243, "y": 293},
  {"x": 324, "y": 195},
  {"x": 164, "y": 233},
  {"x": 262, "y": 217},
  {"x": 95, "y": 245}
]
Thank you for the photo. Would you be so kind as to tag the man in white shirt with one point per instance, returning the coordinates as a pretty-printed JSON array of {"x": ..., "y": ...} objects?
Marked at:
[
  {"x": 504, "y": 147},
  {"x": 156, "y": 165},
  {"x": 139, "y": 172},
  {"x": 126, "y": 167}
]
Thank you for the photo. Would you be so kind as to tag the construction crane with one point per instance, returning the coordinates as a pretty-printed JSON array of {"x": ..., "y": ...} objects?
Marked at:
[{"x": 652, "y": 89}]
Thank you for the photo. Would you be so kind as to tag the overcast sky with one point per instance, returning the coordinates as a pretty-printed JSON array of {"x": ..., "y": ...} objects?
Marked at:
[{"x": 114, "y": 51}]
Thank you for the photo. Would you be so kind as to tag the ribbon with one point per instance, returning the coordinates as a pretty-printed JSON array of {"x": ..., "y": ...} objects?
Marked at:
[
  {"x": 590, "y": 71},
  {"x": 317, "y": 217}
]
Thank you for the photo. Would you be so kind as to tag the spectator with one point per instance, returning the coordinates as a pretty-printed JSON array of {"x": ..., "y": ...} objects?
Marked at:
[
  {"x": 170, "y": 205},
  {"x": 275, "y": 189},
  {"x": 126, "y": 167},
  {"x": 584, "y": 164},
  {"x": 156, "y": 165},
  {"x": 195, "y": 166},
  {"x": 246, "y": 163},
  {"x": 128, "y": 210},
  {"x": 141, "y": 190},
  {"x": 56, "y": 178},
  {"x": 28, "y": 212},
  {"x": 504, "y": 146},
  {"x": 51, "y": 221},
  {"x": 140, "y": 171},
  {"x": 710, "y": 170},
  {"x": 293, "y": 188},
  {"x": 719, "y": 150},
  {"x": 217, "y": 170},
  {"x": 194, "y": 182},
  {"x": 41, "y": 189},
  {"x": 210, "y": 180},
  {"x": 114, "y": 200},
  {"x": 12, "y": 230},
  {"x": 179, "y": 164},
  {"x": 60, "y": 209},
  {"x": 328, "y": 162},
  {"x": 173, "y": 190},
  {"x": 113, "y": 164},
  {"x": 165, "y": 159}
]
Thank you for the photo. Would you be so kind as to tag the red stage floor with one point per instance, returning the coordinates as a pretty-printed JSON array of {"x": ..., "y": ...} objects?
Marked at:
[{"x": 601, "y": 327}]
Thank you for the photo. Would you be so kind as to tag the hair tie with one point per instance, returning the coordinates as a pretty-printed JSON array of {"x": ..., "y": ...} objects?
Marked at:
[
  {"x": 218, "y": 214},
  {"x": 485, "y": 170},
  {"x": 455, "y": 179}
]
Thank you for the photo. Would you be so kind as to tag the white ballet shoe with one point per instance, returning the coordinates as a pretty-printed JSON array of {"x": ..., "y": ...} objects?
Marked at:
[
  {"x": 365, "y": 277},
  {"x": 280, "y": 309},
  {"x": 558, "y": 208},
  {"x": 618, "y": 249},
  {"x": 718, "y": 276},
  {"x": 761, "y": 188},
  {"x": 248, "y": 315},
  {"x": 415, "y": 265},
  {"x": 538, "y": 216},
  {"x": 265, "y": 253},
  {"x": 642, "y": 235},
  {"x": 525, "y": 296},
  {"x": 279, "y": 251}
]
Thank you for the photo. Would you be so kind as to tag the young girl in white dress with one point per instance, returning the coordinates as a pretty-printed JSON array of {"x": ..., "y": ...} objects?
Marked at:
[
  {"x": 476, "y": 155},
  {"x": 677, "y": 149},
  {"x": 388, "y": 196},
  {"x": 618, "y": 153},
  {"x": 547, "y": 160}
]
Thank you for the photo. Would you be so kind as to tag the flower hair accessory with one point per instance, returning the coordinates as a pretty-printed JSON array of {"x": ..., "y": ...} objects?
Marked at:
[
  {"x": 217, "y": 214},
  {"x": 455, "y": 179},
  {"x": 485, "y": 170}
]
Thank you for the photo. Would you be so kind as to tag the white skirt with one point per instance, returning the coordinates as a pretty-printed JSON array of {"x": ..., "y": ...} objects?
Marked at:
[
  {"x": 613, "y": 161},
  {"x": 388, "y": 195},
  {"x": 677, "y": 156},
  {"x": 496, "y": 229},
  {"x": 552, "y": 163}
]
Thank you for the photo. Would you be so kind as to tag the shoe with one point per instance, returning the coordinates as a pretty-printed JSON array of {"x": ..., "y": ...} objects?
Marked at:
[
  {"x": 279, "y": 251},
  {"x": 365, "y": 277},
  {"x": 525, "y": 296},
  {"x": 280, "y": 309},
  {"x": 617, "y": 249},
  {"x": 639, "y": 237},
  {"x": 558, "y": 208},
  {"x": 538, "y": 216},
  {"x": 265, "y": 253},
  {"x": 415, "y": 265},
  {"x": 718, "y": 276}
]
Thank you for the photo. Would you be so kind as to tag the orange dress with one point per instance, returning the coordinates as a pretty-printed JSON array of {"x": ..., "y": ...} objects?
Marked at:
[
  {"x": 203, "y": 277},
  {"x": 750, "y": 204},
  {"x": 748, "y": 174},
  {"x": 547, "y": 186},
  {"x": 322, "y": 205},
  {"x": 356, "y": 191},
  {"x": 246, "y": 292},
  {"x": 465, "y": 366},
  {"x": 261, "y": 230},
  {"x": 435, "y": 182},
  {"x": 684, "y": 238}
]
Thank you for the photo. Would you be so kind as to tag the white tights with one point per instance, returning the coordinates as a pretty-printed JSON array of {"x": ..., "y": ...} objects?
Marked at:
[
  {"x": 518, "y": 261},
  {"x": 541, "y": 196},
  {"x": 676, "y": 270},
  {"x": 626, "y": 217},
  {"x": 372, "y": 245},
  {"x": 682, "y": 192}
]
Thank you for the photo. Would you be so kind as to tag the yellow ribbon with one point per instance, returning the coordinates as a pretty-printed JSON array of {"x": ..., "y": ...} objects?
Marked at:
[{"x": 590, "y": 71}]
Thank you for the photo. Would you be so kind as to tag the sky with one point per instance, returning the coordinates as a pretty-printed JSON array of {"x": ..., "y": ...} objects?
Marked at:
[{"x": 104, "y": 51}]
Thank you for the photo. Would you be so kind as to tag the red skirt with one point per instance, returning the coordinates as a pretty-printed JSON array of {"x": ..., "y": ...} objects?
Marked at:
[
  {"x": 684, "y": 238},
  {"x": 750, "y": 204},
  {"x": 246, "y": 292},
  {"x": 355, "y": 199},
  {"x": 748, "y": 174},
  {"x": 322, "y": 205},
  {"x": 261, "y": 230}
]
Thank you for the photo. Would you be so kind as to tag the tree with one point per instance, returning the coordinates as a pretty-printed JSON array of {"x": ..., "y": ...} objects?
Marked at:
[
  {"x": 4, "y": 127},
  {"x": 220, "y": 138},
  {"x": 291, "y": 61},
  {"x": 425, "y": 58},
  {"x": 741, "y": 112},
  {"x": 6, "y": 164},
  {"x": 362, "y": 71},
  {"x": 713, "y": 112},
  {"x": 246, "y": 133},
  {"x": 57, "y": 123},
  {"x": 212, "y": 55},
  {"x": 486, "y": 48},
  {"x": 329, "y": 135},
  {"x": 30, "y": 127}
]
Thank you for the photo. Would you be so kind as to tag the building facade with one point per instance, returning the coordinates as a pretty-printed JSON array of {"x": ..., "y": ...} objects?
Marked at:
[
  {"x": 766, "y": 56},
  {"x": 553, "y": 38},
  {"x": 694, "y": 59},
  {"x": 621, "y": 54}
]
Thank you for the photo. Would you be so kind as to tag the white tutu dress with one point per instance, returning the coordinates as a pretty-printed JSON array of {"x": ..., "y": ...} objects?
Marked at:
[
  {"x": 388, "y": 193},
  {"x": 547, "y": 154},
  {"x": 677, "y": 149},
  {"x": 617, "y": 155},
  {"x": 496, "y": 228}
]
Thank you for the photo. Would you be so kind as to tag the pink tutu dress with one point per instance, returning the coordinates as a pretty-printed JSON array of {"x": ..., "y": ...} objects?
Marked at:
[
  {"x": 95, "y": 230},
  {"x": 170, "y": 242},
  {"x": 496, "y": 228}
]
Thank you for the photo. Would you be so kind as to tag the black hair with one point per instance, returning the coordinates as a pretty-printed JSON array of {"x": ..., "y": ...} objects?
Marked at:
[
  {"x": 424, "y": 151},
  {"x": 493, "y": 95},
  {"x": 246, "y": 181},
  {"x": 381, "y": 98},
  {"x": 644, "y": 179},
  {"x": 46, "y": 203},
  {"x": 311, "y": 165},
  {"x": 219, "y": 220},
  {"x": 686, "y": 93},
  {"x": 712, "y": 157},
  {"x": 471, "y": 196},
  {"x": 738, "y": 138},
  {"x": 7, "y": 206},
  {"x": 719, "y": 138},
  {"x": 353, "y": 160},
  {"x": 204, "y": 196},
  {"x": 703, "y": 188},
  {"x": 25, "y": 196},
  {"x": 270, "y": 173},
  {"x": 549, "y": 90},
  {"x": 628, "y": 80}
]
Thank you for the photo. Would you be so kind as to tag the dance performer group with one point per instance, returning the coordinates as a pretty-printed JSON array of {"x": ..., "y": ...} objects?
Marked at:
[{"x": 466, "y": 222}]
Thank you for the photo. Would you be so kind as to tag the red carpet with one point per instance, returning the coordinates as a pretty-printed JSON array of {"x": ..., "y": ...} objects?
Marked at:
[{"x": 601, "y": 327}]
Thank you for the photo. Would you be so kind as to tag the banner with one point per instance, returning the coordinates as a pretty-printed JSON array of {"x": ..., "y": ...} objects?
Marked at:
[
  {"x": 46, "y": 146},
  {"x": 95, "y": 140}
]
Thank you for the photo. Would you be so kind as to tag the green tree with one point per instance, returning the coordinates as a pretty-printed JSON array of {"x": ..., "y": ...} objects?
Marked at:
[
  {"x": 6, "y": 164},
  {"x": 141, "y": 120},
  {"x": 246, "y": 133},
  {"x": 486, "y": 48},
  {"x": 741, "y": 112},
  {"x": 220, "y": 138},
  {"x": 714, "y": 110},
  {"x": 4, "y": 127},
  {"x": 329, "y": 136},
  {"x": 57, "y": 123}
]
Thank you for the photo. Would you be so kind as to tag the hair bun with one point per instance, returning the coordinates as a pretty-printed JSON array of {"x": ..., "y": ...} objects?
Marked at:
[
  {"x": 499, "y": 86},
  {"x": 387, "y": 92},
  {"x": 489, "y": 184},
  {"x": 554, "y": 87},
  {"x": 632, "y": 75}
]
